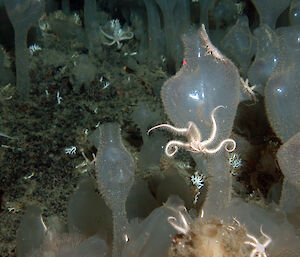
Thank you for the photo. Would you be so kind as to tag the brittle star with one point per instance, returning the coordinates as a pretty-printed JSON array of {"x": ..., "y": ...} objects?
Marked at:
[
  {"x": 183, "y": 224},
  {"x": 259, "y": 248},
  {"x": 118, "y": 34},
  {"x": 193, "y": 135}
]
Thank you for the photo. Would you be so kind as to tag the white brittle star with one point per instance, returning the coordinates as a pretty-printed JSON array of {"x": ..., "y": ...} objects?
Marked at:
[
  {"x": 248, "y": 89},
  {"x": 193, "y": 135},
  {"x": 118, "y": 34},
  {"x": 182, "y": 225},
  {"x": 259, "y": 249}
]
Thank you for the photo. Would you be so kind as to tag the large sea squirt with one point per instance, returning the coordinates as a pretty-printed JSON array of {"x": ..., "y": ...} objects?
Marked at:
[{"x": 206, "y": 80}]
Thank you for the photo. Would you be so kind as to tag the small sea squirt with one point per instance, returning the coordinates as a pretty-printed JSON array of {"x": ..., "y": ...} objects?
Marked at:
[
  {"x": 206, "y": 79},
  {"x": 22, "y": 14},
  {"x": 115, "y": 177}
]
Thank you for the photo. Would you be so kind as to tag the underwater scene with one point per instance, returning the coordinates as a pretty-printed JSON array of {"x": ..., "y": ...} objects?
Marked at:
[{"x": 149, "y": 128}]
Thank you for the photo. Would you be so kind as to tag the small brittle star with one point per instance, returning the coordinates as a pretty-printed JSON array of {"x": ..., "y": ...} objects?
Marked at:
[
  {"x": 193, "y": 135},
  {"x": 182, "y": 224},
  {"x": 248, "y": 89},
  {"x": 259, "y": 248},
  {"x": 116, "y": 34}
]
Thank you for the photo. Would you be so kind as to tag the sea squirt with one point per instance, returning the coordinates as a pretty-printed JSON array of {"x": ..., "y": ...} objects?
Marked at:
[
  {"x": 115, "y": 177},
  {"x": 206, "y": 79}
]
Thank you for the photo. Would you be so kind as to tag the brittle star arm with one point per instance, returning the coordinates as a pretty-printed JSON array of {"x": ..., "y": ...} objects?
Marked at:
[
  {"x": 110, "y": 43},
  {"x": 218, "y": 148},
  {"x": 179, "y": 131},
  {"x": 127, "y": 35},
  {"x": 107, "y": 35},
  {"x": 173, "y": 146},
  {"x": 182, "y": 226},
  {"x": 214, "y": 127}
]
